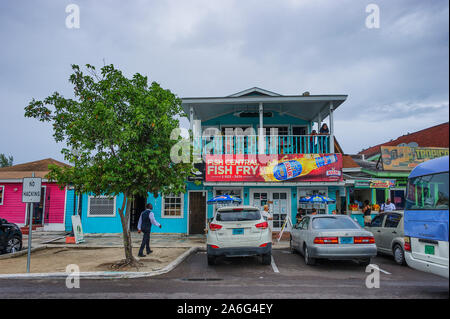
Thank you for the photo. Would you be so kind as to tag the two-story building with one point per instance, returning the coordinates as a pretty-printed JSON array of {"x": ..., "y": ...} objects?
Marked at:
[{"x": 258, "y": 145}]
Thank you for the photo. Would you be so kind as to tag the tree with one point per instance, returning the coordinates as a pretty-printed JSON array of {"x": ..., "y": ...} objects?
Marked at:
[
  {"x": 6, "y": 161},
  {"x": 117, "y": 131}
]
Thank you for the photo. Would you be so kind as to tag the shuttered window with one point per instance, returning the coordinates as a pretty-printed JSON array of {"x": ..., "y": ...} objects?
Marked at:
[{"x": 101, "y": 206}]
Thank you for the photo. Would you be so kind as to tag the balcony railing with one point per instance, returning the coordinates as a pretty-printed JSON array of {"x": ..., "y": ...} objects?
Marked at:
[{"x": 273, "y": 144}]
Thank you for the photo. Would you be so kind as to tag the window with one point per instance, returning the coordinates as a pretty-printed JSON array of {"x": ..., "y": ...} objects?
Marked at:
[
  {"x": 2, "y": 194},
  {"x": 322, "y": 208},
  {"x": 235, "y": 192},
  {"x": 173, "y": 206},
  {"x": 377, "y": 221},
  {"x": 392, "y": 220},
  {"x": 232, "y": 216},
  {"x": 428, "y": 192},
  {"x": 305, "y": 223},
  {"x": 334, "y": 223},
  {"x": 101, "y": 206}
]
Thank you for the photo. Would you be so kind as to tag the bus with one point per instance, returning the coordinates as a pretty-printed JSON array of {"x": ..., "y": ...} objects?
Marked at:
[{"x": 426, "y": 217}]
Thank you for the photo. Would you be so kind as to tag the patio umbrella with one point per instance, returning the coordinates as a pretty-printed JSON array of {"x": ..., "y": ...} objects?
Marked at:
[
  {"x": 224, "y": 199},
  {"x": 316, "y": 199}
]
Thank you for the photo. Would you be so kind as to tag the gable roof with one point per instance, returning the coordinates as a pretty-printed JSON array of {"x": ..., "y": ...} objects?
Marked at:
[
  {"x": 435, "y": 136},
  {"x": 40, "y": 168},
  {"x": 254, "y": 91}
]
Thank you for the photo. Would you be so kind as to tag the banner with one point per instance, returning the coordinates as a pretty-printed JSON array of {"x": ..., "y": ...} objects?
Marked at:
[
  {"x": 280, "y": 168},
  {"x": 403, "y": 158}
]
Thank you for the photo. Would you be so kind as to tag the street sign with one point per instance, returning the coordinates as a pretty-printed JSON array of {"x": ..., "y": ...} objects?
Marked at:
[{"x": 31, "y": 190}]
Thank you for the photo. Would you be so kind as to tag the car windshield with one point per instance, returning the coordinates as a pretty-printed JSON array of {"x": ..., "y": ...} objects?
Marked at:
[
  {"x": 334, "y": 223},
  {"x": 231, "y": 216}
]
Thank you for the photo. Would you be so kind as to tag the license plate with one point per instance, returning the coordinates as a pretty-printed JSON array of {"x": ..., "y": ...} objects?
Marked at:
[
  {"x": 346, "y": 240},
  {"x": 429, "y": 250},
  {"x": 238, "y": 231}
]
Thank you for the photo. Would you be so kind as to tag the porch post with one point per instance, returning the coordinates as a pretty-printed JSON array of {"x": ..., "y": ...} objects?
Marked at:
[
  {"x": 331, "y": 128},
  {"x": 261, "y": 130},
  {"x": 191, "y": 118}
]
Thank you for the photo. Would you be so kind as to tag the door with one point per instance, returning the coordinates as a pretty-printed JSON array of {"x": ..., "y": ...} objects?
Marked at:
[
  {"x": 303, "y": 233},
  {"x": 278, "y": 201},
  {"x": 389, "y": 231},
  {"x": 137, "y": 207},
  {"x": 197, "y": 212},
  {"x": 375, "y": 228}
]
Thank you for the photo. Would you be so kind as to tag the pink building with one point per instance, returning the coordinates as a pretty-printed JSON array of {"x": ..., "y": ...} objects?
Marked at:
[{"x": 49, "y": 214}]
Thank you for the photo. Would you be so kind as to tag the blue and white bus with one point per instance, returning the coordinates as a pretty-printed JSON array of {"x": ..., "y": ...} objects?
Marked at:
[{"x": 426, "y": 217}]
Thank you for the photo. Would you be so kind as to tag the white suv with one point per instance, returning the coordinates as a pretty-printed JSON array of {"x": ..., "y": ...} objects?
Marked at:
[{"x": 239, "y": 231}]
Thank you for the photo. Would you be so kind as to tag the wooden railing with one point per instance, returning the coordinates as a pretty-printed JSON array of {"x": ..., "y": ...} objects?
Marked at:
[{"x": 273, "y": 144}]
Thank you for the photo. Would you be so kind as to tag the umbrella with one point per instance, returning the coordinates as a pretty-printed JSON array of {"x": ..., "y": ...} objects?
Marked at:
[
  {"x": 316, "y": 199},
  {"x": 224, "y": 199}
]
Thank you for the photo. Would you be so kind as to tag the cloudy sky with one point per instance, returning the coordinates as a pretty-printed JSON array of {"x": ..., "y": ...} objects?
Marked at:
[{"x": 396, "y": 76}]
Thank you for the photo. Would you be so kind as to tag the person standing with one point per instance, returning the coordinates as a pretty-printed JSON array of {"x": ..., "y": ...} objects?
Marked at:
[
  {"x": 146, "y": 220},
  {"x": 324, "y": 131},
  {"x": 366, "y": 211},
  {"x": 388, "y": 206}
]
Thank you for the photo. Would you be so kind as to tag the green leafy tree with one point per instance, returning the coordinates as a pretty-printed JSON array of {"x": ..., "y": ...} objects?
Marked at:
[
  {"x": 118, "y": 136},
  {"x": 6, "y": 161}
]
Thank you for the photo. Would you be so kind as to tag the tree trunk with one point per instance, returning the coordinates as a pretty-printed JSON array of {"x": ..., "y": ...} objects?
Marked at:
[{"x": 124, "y": 213}]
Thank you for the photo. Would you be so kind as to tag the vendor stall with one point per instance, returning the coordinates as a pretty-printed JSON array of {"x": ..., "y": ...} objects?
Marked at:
[{"x": 374, "y": 190}]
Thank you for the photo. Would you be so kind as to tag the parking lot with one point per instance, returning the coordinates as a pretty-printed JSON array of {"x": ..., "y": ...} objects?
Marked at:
[{"x": 287, "y": 277}]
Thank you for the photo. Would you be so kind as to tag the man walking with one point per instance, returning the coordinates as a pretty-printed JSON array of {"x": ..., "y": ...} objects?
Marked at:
[{"x": 145, "y": 225}]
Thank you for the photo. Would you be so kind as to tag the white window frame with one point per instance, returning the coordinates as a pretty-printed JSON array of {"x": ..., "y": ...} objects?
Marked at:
[
  {"x": 163, "y": 211},
  {"x": 101, "y": 216},
  {"x": 3, "y": 194}
]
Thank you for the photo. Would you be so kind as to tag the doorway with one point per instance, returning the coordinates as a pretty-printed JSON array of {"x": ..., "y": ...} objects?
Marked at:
[
  {"x": 279, "y": 201},
  {"x": 137, "y": 207},
  {"x": 197, "y": 212}
]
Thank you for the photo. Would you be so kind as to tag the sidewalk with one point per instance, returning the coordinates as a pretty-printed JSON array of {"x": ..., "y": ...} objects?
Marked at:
[{"x": 57, "y": 239}]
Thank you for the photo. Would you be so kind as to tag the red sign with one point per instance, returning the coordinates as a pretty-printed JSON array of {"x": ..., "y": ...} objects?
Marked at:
[{"x": 278, "y": 168}]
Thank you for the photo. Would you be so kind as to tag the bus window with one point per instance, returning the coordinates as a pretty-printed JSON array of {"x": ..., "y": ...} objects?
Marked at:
[{"x": 428, "y": 192}]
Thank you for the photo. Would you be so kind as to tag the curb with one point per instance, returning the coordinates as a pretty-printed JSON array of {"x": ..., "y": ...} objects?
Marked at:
[
  {"x": 22, "y": 252},
  {"x": 107, "y": 274}
]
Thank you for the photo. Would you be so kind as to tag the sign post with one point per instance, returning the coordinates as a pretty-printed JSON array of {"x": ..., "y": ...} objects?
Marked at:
[{"x": 31, "y": 193}]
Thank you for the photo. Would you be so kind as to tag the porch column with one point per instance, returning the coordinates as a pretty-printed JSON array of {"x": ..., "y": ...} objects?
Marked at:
[
  {"x": 331, "y": 129},
  {"x": 191, "y": 118},
  {"x": 261, "y": 130}
]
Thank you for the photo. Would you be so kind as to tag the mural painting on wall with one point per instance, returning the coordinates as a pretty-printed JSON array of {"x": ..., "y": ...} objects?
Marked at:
[{"x": 402, "y": 158}]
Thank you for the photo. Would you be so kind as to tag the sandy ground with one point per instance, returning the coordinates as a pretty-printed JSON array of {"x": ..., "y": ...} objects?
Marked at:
[{"x": 88, "y": 259}]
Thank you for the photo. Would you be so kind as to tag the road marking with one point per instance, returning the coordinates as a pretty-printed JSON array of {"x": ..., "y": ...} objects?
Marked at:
[
  {"x": 378, "y": 268},
  {"x": 274, "y": 266}
]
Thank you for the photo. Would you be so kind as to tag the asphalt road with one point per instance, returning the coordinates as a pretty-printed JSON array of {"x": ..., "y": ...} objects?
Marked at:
[{"x": 247, "y": 278}]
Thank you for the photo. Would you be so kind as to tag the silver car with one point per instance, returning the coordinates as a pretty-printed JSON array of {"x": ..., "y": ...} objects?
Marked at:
[
  {"x": 332, "y": 237},
  {"x": 387, "y": 228}
]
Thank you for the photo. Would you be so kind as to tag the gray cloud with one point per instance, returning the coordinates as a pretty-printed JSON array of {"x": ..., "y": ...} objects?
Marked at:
[{"x": 396, "y": 76}]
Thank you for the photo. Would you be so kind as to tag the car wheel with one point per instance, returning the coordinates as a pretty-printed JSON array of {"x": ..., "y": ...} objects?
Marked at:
[
  {"x": 211, "y": 260},
  {"x": 308, "y": 260},
  {"x": 364, "y": 262},
  {"x": 399, "y": 255},
  {"x": 291, "y": 246},
  {"x": 13, "y": 245},
  {"x": 266, "y": 259}
]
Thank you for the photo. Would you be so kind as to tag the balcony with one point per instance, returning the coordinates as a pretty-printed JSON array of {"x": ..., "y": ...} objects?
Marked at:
[{"x": 273, "y": 144}]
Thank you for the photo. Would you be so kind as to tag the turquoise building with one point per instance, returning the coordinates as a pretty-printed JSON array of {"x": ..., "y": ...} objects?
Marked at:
[{"x": 231, "y": 129}]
